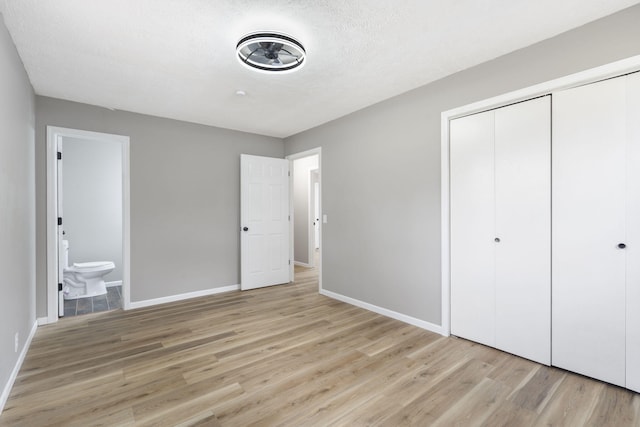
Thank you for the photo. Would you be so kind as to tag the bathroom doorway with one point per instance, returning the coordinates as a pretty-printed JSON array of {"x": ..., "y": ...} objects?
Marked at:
[
  {"x": 87, "y": 226},
  {"x": 306, "y": 217}
]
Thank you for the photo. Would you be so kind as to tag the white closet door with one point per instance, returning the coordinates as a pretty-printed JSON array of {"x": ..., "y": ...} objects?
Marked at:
[
  {"x": 633, "y": 232},
  {"x": 523, "y": 225},
  {"x": 589, "y": 132},
  {"x": 472, "y": 227}
]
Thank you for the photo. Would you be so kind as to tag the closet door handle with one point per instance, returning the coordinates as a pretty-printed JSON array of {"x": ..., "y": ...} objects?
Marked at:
[
  {"x": 622, "y": 245},
  {"x": 497, "y": 240}
]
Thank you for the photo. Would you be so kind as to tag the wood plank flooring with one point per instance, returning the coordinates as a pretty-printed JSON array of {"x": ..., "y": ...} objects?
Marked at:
[{"x": 286, "y": 356}]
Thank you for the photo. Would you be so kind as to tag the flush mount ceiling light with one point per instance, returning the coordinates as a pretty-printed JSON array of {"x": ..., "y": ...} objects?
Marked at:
[{"x": 270, "y": 52}]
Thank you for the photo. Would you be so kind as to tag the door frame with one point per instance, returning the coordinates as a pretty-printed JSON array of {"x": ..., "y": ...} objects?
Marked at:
[
  {"x": 53, "y": 134},
  {"x": 291, "y": 157},
  {"x": 617, "y": 68}
]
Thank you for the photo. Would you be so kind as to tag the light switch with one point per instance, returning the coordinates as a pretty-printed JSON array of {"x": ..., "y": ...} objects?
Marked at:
[{"x": 324, "y": 218}]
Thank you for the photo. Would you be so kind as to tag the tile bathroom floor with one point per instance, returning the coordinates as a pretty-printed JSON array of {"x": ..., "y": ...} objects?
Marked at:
[{"x": 110, "y": 301}]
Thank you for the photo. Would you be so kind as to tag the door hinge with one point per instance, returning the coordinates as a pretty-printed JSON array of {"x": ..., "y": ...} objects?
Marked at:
[
  {"x": 59, "y": 220},
  {"x": 289, "y": 217},
  {"x": 59, "y": 155},
  {"x": 289, "y": 173},
  {"x": 59, "y": 286},
  {"x": 289, "y": 262}
]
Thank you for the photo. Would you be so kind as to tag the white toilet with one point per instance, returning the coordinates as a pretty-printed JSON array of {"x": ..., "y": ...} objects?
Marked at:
[{"x": 84, "y": 279}]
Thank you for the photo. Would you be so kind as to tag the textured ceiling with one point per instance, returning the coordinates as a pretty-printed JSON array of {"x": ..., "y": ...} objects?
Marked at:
[{"x": 176, "y": 58}]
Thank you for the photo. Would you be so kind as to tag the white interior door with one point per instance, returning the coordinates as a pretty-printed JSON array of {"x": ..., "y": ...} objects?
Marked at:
[
  {"x": 473, "y": 228},
  {"x": 60, "y": 230},
  {"x": 264, "y": 221},
  {"x": 523, "y": 225},
  {"x": 500, "y": 228},
  {"x": 589, "y": 176},
  {"x": 633, "y": 232}
]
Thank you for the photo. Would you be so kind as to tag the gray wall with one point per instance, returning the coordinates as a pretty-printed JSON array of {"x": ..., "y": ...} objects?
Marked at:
[
  {"x": 17, "y": 205},
  {"x": 92, "y": 201},
  {"x": 302, "y": 225},
  {"x": 185, "y": 196},
  {"x": 381, "y": 167}
]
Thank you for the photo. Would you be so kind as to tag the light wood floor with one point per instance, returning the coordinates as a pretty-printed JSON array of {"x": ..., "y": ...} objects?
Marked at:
[{"x": 288, "y": 356}]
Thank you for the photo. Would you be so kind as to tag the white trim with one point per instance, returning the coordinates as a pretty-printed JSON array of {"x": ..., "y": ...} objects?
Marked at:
[
  {"x": 126, "y": 225},
  {"x": 613, "y": 69},
  {"x": 445, "y": 319},
  {"x": 303, "y": 264},
  {"x": 42, "y": 321},
  {"x": 180, "y": 297},
  {"x": 53, "y": 133},
  {"x": 291, "y": 224},
  {"x": 385, "y": 312},
  {"x": 291, "y": 157},
  {"x": 16, "y": 369},
  {"x": 114, "y": 283},
  {"x": 52, "y": 233}
]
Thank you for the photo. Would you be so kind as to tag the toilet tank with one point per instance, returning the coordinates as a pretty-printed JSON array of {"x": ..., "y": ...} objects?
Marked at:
[{"x": 65, "y": 252}]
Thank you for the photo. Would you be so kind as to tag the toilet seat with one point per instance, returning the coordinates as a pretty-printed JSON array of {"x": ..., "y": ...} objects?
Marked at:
[{"x": 87, "y": 267}]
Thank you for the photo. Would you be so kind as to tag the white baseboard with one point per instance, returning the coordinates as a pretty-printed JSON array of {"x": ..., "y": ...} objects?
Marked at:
[
  {"x": 114, "y": 283},
  {"x": 14, "y": 374},
  {"x": 43, "y": 321},
  {"x": 385, "y": 312},
  {"x": 180, "y": 297},
  {"x": 302, "y": 264}
]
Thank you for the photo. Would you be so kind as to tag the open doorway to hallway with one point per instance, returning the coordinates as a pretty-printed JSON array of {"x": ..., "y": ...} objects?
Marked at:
[{"x": 306, "y": 216}]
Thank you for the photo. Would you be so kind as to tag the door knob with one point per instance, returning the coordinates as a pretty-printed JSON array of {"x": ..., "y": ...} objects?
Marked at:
[
  {"x": 622, "y": 245},
  {"x": 245, "y": 229},
  {"x": 497, "y": 240}
]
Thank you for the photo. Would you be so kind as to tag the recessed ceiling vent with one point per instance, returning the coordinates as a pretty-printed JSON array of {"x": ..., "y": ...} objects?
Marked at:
[{"x": 271, "y": 52}]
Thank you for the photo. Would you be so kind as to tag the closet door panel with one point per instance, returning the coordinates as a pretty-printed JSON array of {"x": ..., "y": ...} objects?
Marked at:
[
  {"x": 633, "y": 232},
  {"x": 472, "y": 228},
  {"x": 523, "y": 224},
  {"x": 588, "y": 297}
]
